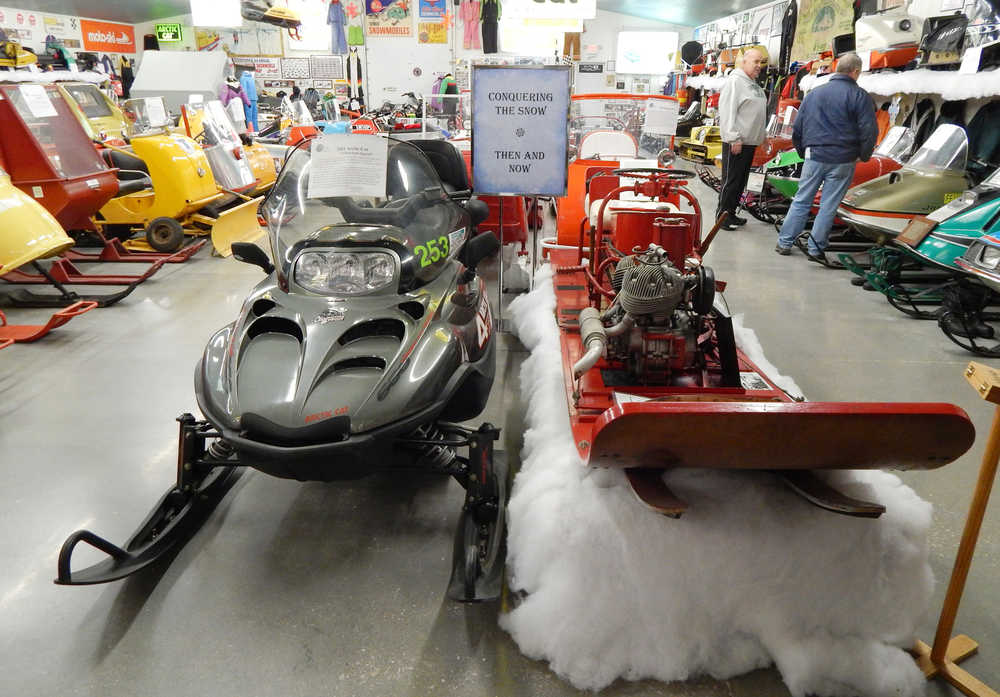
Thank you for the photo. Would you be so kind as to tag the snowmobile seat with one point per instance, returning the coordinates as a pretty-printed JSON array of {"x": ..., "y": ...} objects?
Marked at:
[
  {"x": 133, "y": 174},
  {"x": 448, "y": 163},
  {"x": 608, "y": 145}
]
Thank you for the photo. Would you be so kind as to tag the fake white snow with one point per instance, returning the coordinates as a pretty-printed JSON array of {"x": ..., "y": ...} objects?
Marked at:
[
  {"x": 751, "y": 575},
  {"x": 948, "y": 84}
]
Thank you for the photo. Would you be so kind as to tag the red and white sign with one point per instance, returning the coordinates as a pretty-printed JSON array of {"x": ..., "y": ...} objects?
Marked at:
[{"x": 107, "y": 37}]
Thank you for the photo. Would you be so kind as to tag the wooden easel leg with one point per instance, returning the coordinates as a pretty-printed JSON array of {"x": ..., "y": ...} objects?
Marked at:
[{"x": 941, "y": 659}]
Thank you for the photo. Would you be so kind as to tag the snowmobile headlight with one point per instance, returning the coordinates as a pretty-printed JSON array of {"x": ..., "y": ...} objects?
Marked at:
[
  {"x": 990, "y": 257},
  {"x": 344, "y": 273}
]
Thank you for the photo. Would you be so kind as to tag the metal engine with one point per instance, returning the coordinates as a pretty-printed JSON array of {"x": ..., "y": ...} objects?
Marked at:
[{"x": 657, "y": 315}]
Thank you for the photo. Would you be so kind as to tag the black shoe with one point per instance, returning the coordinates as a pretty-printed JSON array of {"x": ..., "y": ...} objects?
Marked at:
[
  {"x": 733, "y": 218},
  {"x": 783, "y": 251},
  {"x": 730, "y": 225}
]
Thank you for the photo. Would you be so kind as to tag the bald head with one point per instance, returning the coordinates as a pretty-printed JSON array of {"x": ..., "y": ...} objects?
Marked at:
[{"x": 752, "y": 62}]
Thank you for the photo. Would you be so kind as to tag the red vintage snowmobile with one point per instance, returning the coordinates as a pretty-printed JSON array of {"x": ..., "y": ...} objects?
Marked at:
[{"x": 652, "y": 369}]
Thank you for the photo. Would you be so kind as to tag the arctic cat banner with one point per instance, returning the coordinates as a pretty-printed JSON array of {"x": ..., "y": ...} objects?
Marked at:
[
  {"x": 819, "y": 21},
  {"x": 107, "y": 37}
]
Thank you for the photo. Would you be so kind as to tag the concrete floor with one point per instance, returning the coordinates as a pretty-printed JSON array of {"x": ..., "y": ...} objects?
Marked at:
[{"x": 309, "y": 589}]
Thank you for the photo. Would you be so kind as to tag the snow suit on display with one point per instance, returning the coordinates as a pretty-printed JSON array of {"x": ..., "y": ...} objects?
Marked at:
[
  {"x": 336, "y": 17},
  {"x": 489, "y": 16},
  {"x": 469, "y": 12}
]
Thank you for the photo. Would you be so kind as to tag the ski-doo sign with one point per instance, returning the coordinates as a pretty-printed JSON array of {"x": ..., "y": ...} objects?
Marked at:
[
  {"x": 519, "y": 145},
  {"x": 107, "y": 37}
]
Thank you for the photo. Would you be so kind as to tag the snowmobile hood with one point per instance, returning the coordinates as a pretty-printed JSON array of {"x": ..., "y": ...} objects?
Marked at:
[
  {"x": 981, "y": 261},
  {"x": 297, "y": 369},
  {"x": 908, "y": 191}
]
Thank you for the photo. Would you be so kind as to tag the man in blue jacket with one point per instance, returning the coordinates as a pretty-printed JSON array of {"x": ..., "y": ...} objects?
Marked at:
[{"x": 834, "y": 128}]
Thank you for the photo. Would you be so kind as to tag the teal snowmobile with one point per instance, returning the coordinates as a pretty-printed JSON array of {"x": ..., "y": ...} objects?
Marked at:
[{"x": 958, "y": 242}]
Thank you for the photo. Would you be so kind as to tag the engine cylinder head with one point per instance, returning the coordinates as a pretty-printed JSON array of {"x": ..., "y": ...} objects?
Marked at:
[{"x": 651, "y": 289}]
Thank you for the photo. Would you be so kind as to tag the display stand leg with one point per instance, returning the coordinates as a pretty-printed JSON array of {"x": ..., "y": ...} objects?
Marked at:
[
  {"x": 941, "y": 659},
  {"x": 533, "y": 248},
  {"x": 500, "y": 324}
]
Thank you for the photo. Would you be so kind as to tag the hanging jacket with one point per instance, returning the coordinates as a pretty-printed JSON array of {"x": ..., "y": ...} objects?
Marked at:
[
  {"x": 788, "y": 22},
  {"x": 336, "y": 14},
  {"x": 249, "y": 85},
  {"x": 228, "y": 93}
]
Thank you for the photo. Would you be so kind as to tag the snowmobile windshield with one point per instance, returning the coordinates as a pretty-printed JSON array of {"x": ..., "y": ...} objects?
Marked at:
[
  {"x": 146, "y": 116},
  {"x": 297, "y": 111},
  {"x": 897, "y": 144},
  {"x": 946, "y": 149},
  {"x": 209, "y": 121},
  {"x": 992, "y": 181},
  {"x": 630, "y": 119},
  {"x": 90, "y": 100},
  {"x": 412, "y": 212}
]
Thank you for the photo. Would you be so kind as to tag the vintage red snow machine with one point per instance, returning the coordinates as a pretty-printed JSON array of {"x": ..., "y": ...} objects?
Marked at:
[{"x": 653, "y": 376}]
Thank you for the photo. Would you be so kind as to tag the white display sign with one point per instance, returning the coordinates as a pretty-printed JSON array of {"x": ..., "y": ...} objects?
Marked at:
[
  {"x": 519, "y": 145},
  {"x": 661, "y": 117},
  {"x": 755, "y": 182},
  {"x": 646, "y": 52},
  {"x": 348, "y": 165},
  {"x": 38, "y": 103},
  {"x": 156, "y": 112},
  {"x": 970, "y": 60}
]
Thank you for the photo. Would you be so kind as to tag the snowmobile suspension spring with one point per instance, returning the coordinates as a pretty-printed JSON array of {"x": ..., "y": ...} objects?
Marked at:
[{"x": 220, "y": 449}]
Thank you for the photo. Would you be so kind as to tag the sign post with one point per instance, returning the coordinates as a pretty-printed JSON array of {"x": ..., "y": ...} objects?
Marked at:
[{"x": 521, "y": 133}]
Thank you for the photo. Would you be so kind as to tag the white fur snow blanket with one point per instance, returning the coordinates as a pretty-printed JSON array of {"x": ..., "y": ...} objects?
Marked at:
[{"x": 750, "y": 576}]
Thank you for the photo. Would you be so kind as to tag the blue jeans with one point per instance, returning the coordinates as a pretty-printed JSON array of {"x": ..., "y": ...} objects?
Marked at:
[{"x": 835, "y": 179}]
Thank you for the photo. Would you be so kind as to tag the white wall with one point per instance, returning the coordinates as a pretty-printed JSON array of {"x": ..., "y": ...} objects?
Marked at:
[
  {"x": 391, "y": 61},
  {"x": 31, "y": 27}
]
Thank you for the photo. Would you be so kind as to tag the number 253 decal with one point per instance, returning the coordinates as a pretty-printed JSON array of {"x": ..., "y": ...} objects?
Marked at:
[{"x": 433, "y": 252}]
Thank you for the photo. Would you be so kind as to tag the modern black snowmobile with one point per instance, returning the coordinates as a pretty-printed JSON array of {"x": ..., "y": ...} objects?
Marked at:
[{"x": 368, "y": 342}]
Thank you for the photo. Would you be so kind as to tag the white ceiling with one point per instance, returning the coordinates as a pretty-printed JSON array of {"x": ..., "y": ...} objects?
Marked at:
[{"x": 690, "y": 12}]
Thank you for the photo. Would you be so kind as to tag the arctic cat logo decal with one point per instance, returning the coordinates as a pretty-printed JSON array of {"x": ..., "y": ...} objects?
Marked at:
[
  {"x": 484, "y": 321},
  {"x": 318, "y": 416},
  {"x": 334, "y": 314}
]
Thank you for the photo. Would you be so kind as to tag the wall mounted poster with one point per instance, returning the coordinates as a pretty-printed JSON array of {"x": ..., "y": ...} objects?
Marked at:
[
  {"x": 434, "y": 9},
  {"x": 329, "y": 67},
  {"x": 266, "y": 67},
  {"x": 295, "y": 68},
  {"x": 819, "y": 21},
  {"x": 388, "y": 18},
  {"x": 432, "y": 33}
]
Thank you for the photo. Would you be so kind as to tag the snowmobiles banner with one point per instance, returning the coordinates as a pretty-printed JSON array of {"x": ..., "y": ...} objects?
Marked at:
[
  {"x": 388, "y": 18},
  {"x": 520, "y": 142},
  {"x": 818, "y": 22}
]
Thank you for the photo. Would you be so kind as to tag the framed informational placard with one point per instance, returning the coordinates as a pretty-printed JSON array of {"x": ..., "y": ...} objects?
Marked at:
[
  {"x": 328, "y": 67},
  {"x": 519, "y": 145}
]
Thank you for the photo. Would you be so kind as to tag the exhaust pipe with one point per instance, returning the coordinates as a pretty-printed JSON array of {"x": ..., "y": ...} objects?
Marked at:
[{"x": 595, "y": 340}]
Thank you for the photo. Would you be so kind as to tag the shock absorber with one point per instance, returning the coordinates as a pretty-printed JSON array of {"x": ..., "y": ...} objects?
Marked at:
[{"x": 220, "y": 449}]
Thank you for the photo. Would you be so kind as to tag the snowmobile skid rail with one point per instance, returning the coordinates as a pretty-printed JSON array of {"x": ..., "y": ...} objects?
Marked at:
[
  {"x": 207, "y": 468},
  {"x": 26, "y": 333},
  {"x": 21, "y": 297},
  {"x": 65, "y": 271},
  {"x": 115, "y": 251}
]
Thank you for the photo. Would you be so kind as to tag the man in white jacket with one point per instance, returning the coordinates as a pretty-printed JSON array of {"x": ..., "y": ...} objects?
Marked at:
[{"x": 742, "y": 112}]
